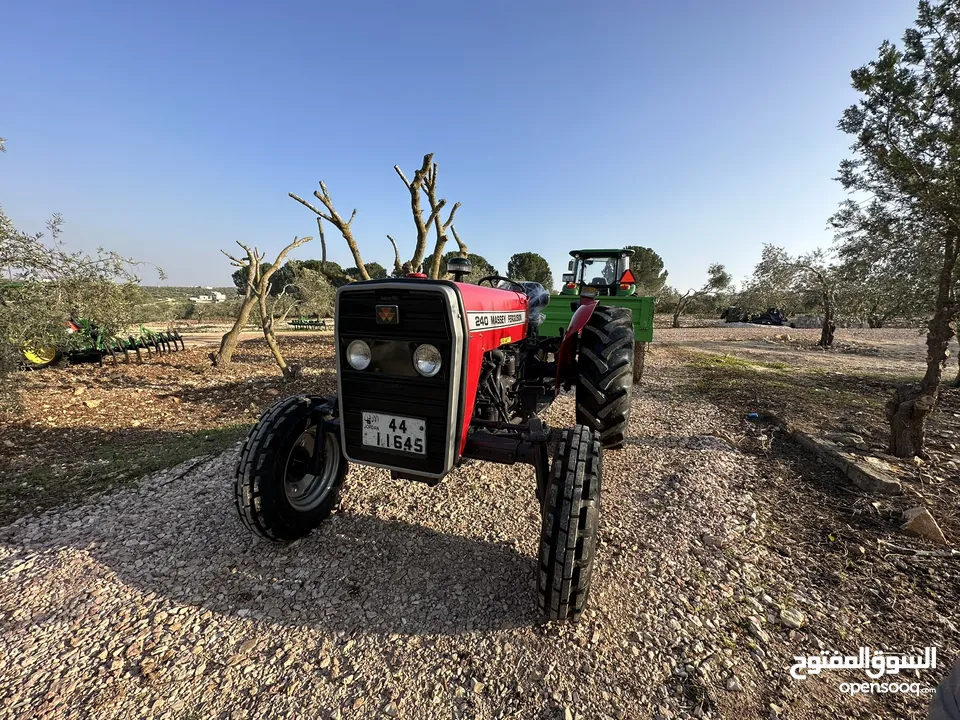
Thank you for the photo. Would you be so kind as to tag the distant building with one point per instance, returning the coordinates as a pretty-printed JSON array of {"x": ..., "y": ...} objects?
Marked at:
[{"x": 213, "y": 297}]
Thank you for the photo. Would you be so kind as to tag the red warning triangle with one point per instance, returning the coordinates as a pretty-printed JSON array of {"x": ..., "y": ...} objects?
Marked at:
[{"x": 627, "y": 278}]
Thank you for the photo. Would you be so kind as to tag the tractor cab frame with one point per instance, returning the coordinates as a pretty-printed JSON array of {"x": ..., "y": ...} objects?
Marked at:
[{"x": 607, "y": 271}]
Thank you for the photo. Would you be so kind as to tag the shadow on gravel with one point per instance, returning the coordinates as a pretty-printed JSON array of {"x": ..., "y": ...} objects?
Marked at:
[
  {"x": 355, "y": 573},
  {"x": 686, "y": 442}
]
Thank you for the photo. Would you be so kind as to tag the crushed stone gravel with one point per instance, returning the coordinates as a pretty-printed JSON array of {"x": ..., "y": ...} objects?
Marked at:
[{"x": 410, "y": 602}]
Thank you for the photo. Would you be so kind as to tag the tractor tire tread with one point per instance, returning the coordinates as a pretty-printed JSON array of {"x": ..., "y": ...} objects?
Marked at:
[
  {"x": 606, "y": 374},
  {"x": 569, "y": 527},
  {"x": 258, "y": 459}
]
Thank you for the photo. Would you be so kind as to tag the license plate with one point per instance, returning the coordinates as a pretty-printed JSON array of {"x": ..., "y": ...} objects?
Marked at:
[{"x": 392, "y": 432}]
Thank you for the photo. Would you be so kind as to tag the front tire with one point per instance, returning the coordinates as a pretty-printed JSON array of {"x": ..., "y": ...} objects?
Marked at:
[
  {"x": 605, "y": 374},
  {"x": 278, "y": 495},
  {"x": 570, "y": 521}
]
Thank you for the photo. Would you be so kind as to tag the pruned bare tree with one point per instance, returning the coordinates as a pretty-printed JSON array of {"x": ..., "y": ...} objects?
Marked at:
[
  {"x": 256, "y": 292},
  {"x": 333, "y": 217},
  {"x": 441, "y": 227},
  {"x": 423, "y": 183},
  {"x": 228, "y": 343},
  {"x": 415, "y": 187}
]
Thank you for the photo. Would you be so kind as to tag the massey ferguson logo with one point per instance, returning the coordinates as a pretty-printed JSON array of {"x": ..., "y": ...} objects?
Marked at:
[
  {"x": 387, "y": 315},
  {"x": 489, "y": 320}
]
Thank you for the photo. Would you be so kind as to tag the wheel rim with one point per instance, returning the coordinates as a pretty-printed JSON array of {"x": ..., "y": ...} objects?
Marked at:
[
  {"x": 304, "y": 490},
  {"x": 42, "y": 355}
]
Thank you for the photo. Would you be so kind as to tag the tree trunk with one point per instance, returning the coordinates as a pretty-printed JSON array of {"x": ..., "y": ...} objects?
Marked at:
[
  {"x": 323, "y": 243},
  {"x": 827, "y": 331},
  {"x": 267, "y": 321},
  {"x": 828, "y": 328},
  {"x": 228, "y": 343},
  {"x": 678, "y": 311},
  {"x": 907, "y": 410},
  {"x": 286, "y": 312}
]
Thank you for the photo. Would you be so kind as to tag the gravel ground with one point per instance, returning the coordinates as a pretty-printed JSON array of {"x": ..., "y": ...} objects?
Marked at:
[{"x": 419, "y": 602}]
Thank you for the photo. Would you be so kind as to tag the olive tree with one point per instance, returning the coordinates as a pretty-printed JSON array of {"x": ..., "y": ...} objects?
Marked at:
[
  {"x": 879, "y": 269},
  {"x": 315, "y": 293},
  {"x": 44, "y": 285},
  {"x": 906, "y": 161},
  {"x": 772, "y": 284},
  {"x": 256, "y": 293},
  {"x": 718, "y": 281}
]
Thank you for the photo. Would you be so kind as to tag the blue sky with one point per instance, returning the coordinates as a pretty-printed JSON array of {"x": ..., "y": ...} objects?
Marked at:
[{"x": 169, "y": 130}]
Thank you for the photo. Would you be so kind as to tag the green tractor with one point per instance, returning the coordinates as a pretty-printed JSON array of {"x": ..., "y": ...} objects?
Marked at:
[{"x": 606, "y": 275}]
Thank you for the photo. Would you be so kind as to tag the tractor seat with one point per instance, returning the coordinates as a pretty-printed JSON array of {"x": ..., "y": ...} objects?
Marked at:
[{"x": 537, "y": 299}]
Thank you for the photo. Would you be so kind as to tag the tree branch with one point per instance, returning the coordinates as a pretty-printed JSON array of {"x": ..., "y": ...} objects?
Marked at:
[
  {"x": 414, "y": 186},
  {"x": 311, "y": 207},
  {"x": 402, "y": 176},
  {"x": 265, "y": 277},
  {"x": 323, "y": 243},
  {"x": 397, "y": 265},
  {"x": 436, "y": 206},
  {"x": 462, "y": 245},
  {"x": 333, "y": 217},
  {"x": 453, "y": 211}
]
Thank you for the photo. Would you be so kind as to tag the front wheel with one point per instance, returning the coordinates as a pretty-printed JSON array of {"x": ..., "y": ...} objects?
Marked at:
[
  {"x": 570, "y": 521},
  {"x": 283, "y": 488}
]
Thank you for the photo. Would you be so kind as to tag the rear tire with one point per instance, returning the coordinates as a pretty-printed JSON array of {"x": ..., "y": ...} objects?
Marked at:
[
  {"x": 570, "y": 520},
  {"x": 277, "y": 496},
  {"x": 605, "y": 373}
]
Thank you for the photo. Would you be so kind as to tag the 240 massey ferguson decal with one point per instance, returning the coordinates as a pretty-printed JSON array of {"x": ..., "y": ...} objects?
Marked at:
[{"x": 490, "y": 320}]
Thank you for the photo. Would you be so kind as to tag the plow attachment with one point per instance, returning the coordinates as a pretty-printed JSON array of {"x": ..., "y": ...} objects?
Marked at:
[{"x": 133, "y": 348}]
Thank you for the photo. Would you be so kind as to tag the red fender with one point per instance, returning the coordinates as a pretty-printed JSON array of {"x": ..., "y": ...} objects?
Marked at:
[{"x": 566, "y": 356}]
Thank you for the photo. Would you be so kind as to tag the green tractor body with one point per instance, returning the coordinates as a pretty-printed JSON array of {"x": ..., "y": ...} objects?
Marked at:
[{"x": 606, "y": 273}]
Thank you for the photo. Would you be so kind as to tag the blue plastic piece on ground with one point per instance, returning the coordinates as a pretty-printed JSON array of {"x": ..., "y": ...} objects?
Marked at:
[{"x": 753, "y": 416}]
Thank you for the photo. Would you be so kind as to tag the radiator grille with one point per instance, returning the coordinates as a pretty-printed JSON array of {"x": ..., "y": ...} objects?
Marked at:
[{"x": 423, "y": 316}]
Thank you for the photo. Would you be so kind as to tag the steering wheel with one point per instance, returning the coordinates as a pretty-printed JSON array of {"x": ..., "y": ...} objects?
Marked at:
[{"x": 500, "y": 278}]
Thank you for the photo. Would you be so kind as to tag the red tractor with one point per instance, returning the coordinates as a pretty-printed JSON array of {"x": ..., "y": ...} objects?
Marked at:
[{"x": 432, "y": 373}]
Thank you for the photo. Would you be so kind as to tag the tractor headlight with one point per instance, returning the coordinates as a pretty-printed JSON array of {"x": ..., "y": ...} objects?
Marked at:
[
  {"x": 358, "y": 355},
  {"x": 426, "y": 359}
]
